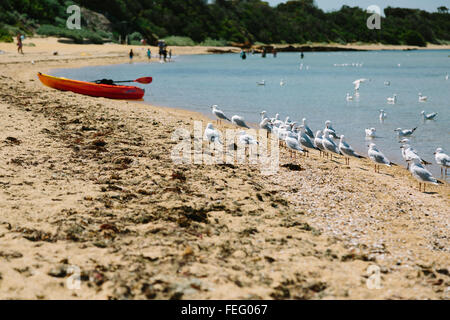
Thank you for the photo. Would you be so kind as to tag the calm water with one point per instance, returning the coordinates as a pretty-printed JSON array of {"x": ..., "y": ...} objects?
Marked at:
[{"x": 318, "y": 92}]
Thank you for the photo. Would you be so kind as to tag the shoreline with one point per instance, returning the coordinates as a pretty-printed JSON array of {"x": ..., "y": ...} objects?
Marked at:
[{"x": 89, "y": 182}]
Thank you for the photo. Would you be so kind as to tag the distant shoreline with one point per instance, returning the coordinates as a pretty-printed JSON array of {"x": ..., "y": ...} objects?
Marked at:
[{"x": 43, "y": 49}]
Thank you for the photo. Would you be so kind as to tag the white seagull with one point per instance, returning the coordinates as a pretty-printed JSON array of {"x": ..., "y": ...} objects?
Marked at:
[
  {"x": 305, "y": 140},
  {"x": 405, "y": 133},
  {"x": 442, "y": 160},
  {"x": 246, "y": 139},
  {"x": 422, "y": 98},
  {"x": 347, "y": 151},
  {"x": 294, "y": 144},
  {"x": 371, "y": 133},
  {"x": 282, "y": 83},
  {"x": 430, "y": 116},
  {"x": 421, "y": 174},
  {"x": 239, "y": 121},
  {"x": 383, "y": 115},
  {"x": 393, "y": 99},
  {"x": 409, "y": 153},
  {"x": 211, "y": 134},
  {"x": 261, "y": 83},
  {"x": 318, "y": 141},
  {"x": 328, "y": 143},
  {"x": 349, "y": 97},
  {"x": 378, "y": 157},
  {"x": 307, "y": 129},
  {"x": 330, "y": 128},
  {"x": 219, "y": 113}
]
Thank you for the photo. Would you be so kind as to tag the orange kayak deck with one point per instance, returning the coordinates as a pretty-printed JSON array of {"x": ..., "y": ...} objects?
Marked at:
[{"x": 92, "y": 89}]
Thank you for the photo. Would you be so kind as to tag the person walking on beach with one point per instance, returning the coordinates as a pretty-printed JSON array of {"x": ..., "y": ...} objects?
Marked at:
[
  {"x": 19, "y": 43},
  {"x": 165, "y": 54},
  {"x": 149, "y": 54},
  {"x": 131, "y": 54},
  {"x": 170, "y": 55},
  {"x": 275, "y": 53}
]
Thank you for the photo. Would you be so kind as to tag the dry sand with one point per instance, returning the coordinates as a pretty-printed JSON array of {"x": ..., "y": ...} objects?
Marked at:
[{"x": 89, "y": 182}]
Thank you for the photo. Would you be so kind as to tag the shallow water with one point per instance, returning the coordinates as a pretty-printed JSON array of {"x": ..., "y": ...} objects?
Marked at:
[{"x": 317, "y": 92}]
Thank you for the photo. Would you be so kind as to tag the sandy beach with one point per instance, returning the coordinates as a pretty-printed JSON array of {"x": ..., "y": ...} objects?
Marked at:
[{"x": 87, "y": 186}]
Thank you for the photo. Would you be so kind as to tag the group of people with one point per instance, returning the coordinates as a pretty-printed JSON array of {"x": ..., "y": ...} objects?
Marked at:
[{"x": 163, "y": 52}]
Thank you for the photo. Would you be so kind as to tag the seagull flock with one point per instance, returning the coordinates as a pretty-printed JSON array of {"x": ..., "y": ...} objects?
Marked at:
[{"x": 300, "y": 139}]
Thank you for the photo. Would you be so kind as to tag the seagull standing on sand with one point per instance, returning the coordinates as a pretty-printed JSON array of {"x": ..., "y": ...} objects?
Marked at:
[
  {"x": 239, "y": 121},
  {"x": 293, "y": 144},
  {"x": 265, "y": 124},
  {"x": 318, "y": 142},
  {"x": 308, "y": 131},
  {"x": 219, "y": 113},
  {"x": 422, "y": 175},
  {"x": 328, "y": 143},
  {"x": 371, "y": 133},
  {"x": 430, "y": 116},
  {"x": 405, "y": 133},
  {"x": 347, "y": 151},
  {"x": 393, "y": 99},
  {"x": 211, "y": 134},
  {"x": 383, "y": 115},
  {"x": 377, "y": 157},
  {"x": 246, "y": 139},
  {"x": 442, "y": 160},
  {"x": 409, "y": 153},
  {"x": 305, "y": 140},
  {"x": 330, "y": 129}
]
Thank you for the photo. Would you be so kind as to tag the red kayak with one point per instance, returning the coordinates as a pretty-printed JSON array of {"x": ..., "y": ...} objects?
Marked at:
[{"x": 92, "y": 89}]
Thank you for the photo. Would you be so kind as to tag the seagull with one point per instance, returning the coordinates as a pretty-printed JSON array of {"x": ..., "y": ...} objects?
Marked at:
[
  {"x": 307, "y": 129},
  {"x": 378, "y": 157},
  {"x": 246, "y": 139},
  {"x": 349, "y": 97},
  {"x": 446, "y": 76},
  {"x": 219, "y": 113},
  {"x": 211, "y": 134},
  {"x": 328, "y": 143},
  {"x": 318, "y": 141},
  {"x": 383, "y": 115},
  {"x": 421, "y": 174},
  {"x": 239, "y": 121},
  {"x": 305, "y": 140},
  {"x": 409, "y": 153},
  {"x": 422, "y": 98},
  {"x": 430, "y": 116},
  {"x": 371, "y": 133},
  {"x": 261, "y": 83},
  {"x": 387, "y": 83},
  {"x": 442, "y": 160},
  {"x": 294, "y": 144},
  {"x": 358, "y": 82},
  {"x": 266, "y": 125},
  {"x": 282, "y": 83},
  {"x": 330, "y": 128},
  {"x": 347, "y": 151},
  {"x": 392, "y": 100},
  {"x": 405, "y": 133}
]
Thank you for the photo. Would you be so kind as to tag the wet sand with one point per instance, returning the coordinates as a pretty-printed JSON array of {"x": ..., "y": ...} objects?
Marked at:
[{"x": 88, "y": 184}]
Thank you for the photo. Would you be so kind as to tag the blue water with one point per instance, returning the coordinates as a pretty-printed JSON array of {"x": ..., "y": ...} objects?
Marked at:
[{"x": 317, "y": 92}]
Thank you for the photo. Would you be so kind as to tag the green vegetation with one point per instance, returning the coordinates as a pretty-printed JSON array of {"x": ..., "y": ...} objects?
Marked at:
[
  {"x": 179, "y": 41},
  {"x": 183, "y": 22}
]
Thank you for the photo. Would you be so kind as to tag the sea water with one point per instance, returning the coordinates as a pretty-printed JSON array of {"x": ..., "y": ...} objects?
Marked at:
[{"x": 314, "y": 88}]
